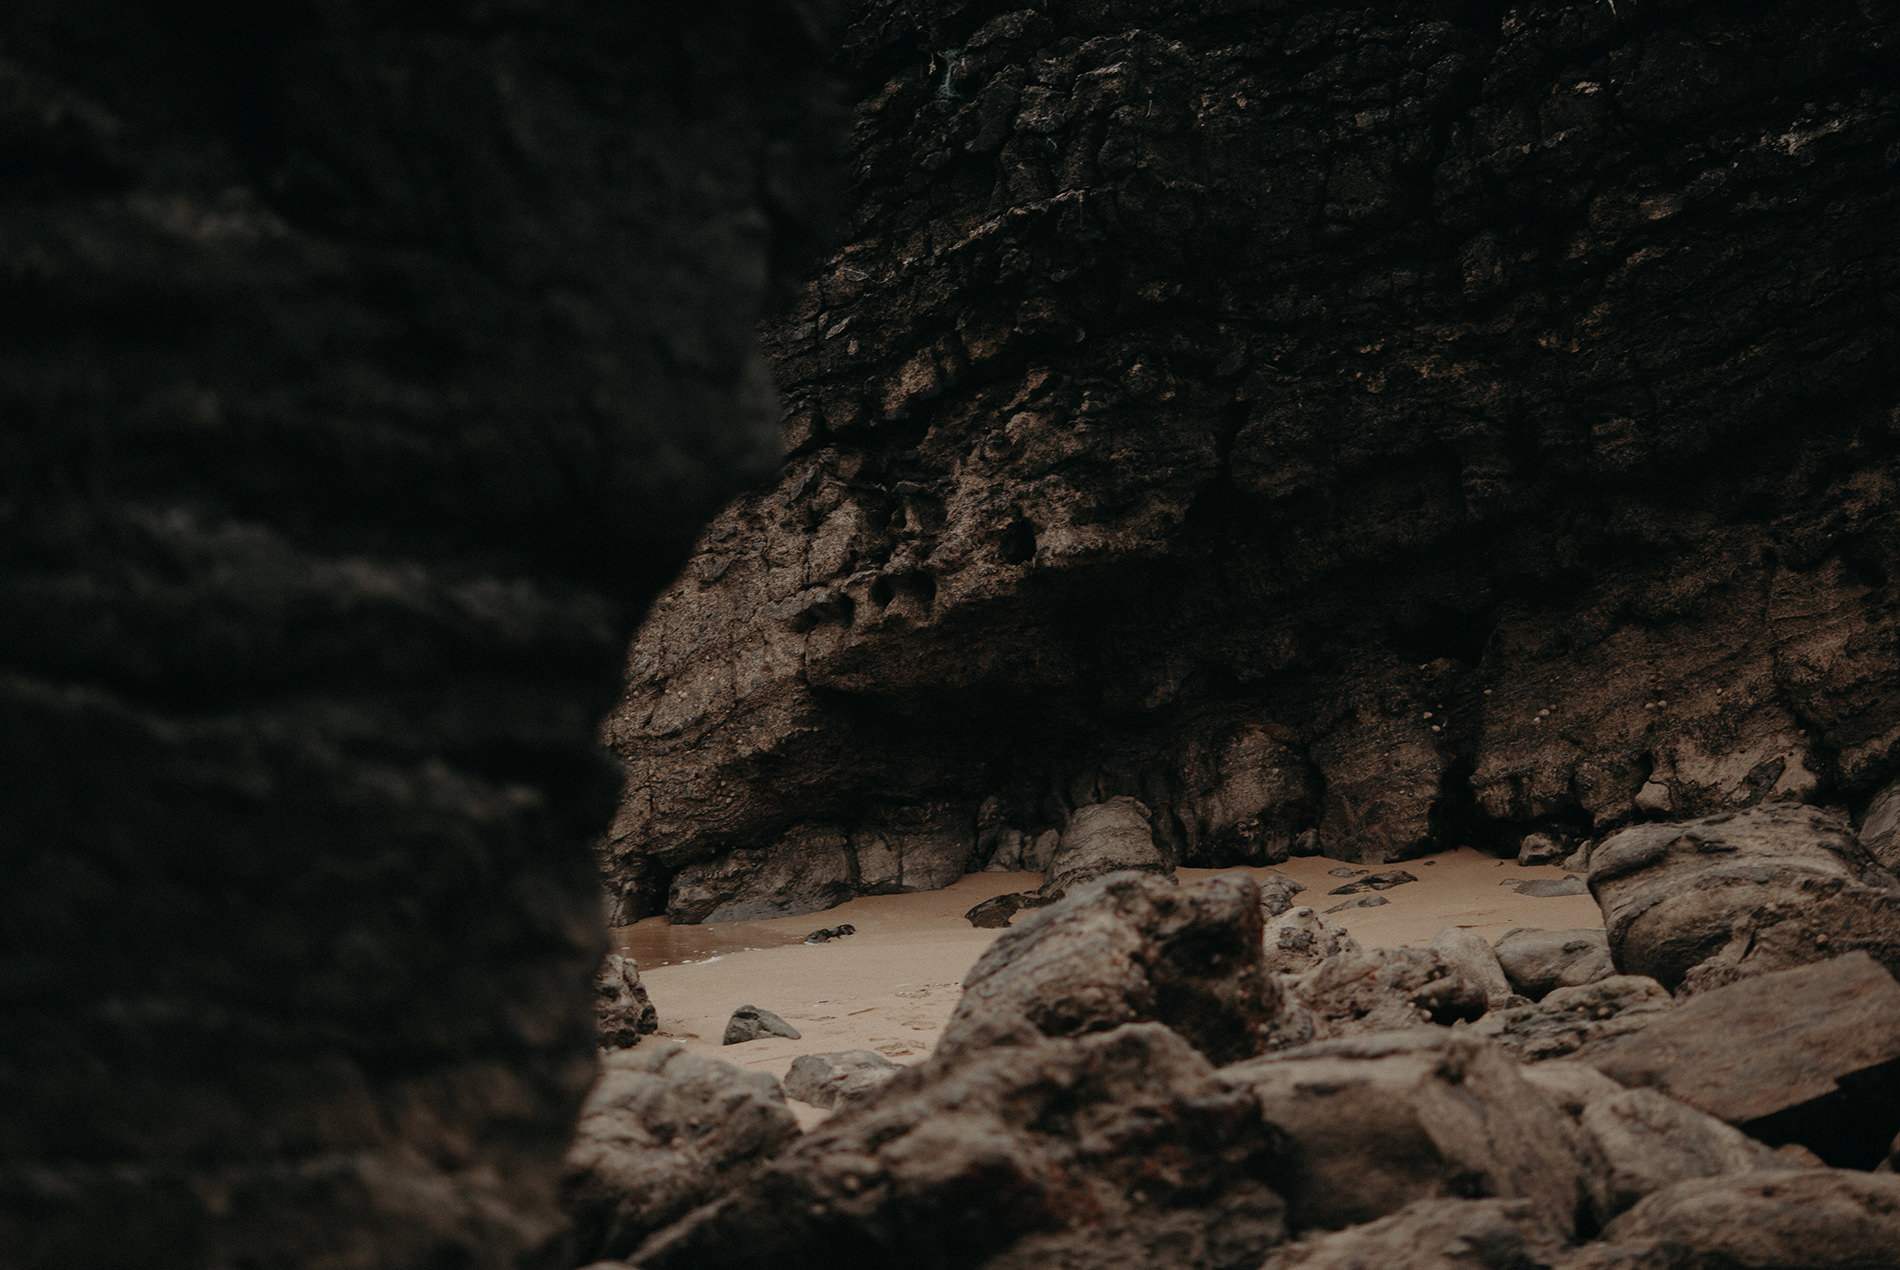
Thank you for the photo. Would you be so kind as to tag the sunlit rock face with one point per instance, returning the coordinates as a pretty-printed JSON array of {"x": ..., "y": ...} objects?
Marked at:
[
  {"x": 367, "y": 368},
  {"x": 1412, "y": 426}
]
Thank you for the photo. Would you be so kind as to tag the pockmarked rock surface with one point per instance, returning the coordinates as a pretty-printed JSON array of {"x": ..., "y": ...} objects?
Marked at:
[
  {"x": 1434, "y": 1234},
  {"x": 623, "y": 1013},
  {"x": 1378, "y": 1121},
  {"x": 1809, "y": 1055},
  {"x": 1301, "y": 938},
  {"x": 367, "y": 368},
  {"x": 1104, "y": 838},
  {"x": 1704, "y": 902},
  {"x": 1125, "y": 948},
  {"x": 1118, "y": 1149},
  {"x": 1384, "y": 989},
  {"x": 1392, "y": 428},
  {"x": 1830, "y": 1219},
  {"x": 1570, "y": 1018},
  {"x": 663, "y": 1132}
]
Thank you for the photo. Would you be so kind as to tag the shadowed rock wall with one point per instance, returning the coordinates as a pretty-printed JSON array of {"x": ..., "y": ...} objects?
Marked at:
[
  {"x": 366, "y": 367},
  {"x": 1419, "y": 425}
]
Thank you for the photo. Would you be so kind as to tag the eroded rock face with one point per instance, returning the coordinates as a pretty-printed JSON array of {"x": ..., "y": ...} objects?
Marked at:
[
  {"x": 1538, "y": 962},
  {"x": 1385, "y": 424},
  {"x": 1820, "y": 1220},
  {"x": 623, "y": 1013},
  {"x": 367, "y": 368},
  {"x": 1809, "y": 1056},
  {"x": 1128, "y": 947},
  {"x": 1643, "y": 1141},
  {"x": 1384, "y": 989},
  {"x": 662, "y": 1132},
  {"x": 1382, "y": 1120},
  {"x": 1705, "y": 902},
  {"x": 1117, "y": 1148},
  {"x": 1569, "y": 1018}
]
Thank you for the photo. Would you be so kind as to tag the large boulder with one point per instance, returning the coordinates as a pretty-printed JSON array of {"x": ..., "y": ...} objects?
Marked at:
[
  {"x": 1119, "y": 1149},
  {"x": 1104, "y": 838},
  {"x": 1475, "y": 961},
  {"x": 1128, "y": 947},
  {"x": 1809, "y": 1055},
  {"x": 1829, "y": 1219},
  {"x": 1703, "y": 902},
  {"x": 368, "y": 367},
  {"x": 1378, "y": 1121},
  {"x": 1385, "y": 989},
  {"x": 663, "y": 1132},
  {"x": 1538, "y": 962}
]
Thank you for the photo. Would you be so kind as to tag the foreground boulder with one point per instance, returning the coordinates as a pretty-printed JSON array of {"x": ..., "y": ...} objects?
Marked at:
[
  {"x": 347, "y": 433},
  {"x": 1538, "y": 962},
  {"x": 1128, "y": 947},
  {"x": 662, "y": 1132},
  {"x": 1829, "y": 1219},
  {"x": 1434, "y": 1234},
  {"x": 1704, "y": 902},
  {"x": 623, "y": 1013},
  {"x": 1809, "y": 1055},
  {"x": 1119, "y": 1148},
  {"x": 1640, "y": 1141},
  {"x": 1378, "y": 1121}
]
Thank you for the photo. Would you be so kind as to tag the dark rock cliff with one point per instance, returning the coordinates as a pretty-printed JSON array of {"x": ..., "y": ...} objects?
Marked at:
[
  {"x": 1419, "y": 424},
  {"x": 366, "y": 367}
]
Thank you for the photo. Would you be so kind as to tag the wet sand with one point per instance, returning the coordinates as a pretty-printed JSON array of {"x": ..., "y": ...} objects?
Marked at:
[{"x": 891, "y": 986}]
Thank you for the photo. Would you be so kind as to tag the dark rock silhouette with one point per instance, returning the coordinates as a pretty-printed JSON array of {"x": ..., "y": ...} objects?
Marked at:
[
  {"x": 366, "y": 368},
  {"x": 623, "y": 1013},
  {"x": 1436, "y": 424}
]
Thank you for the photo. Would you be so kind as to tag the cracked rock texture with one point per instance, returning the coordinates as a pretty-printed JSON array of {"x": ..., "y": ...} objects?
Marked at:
[
  {"x": 366, "y": 368},
  {"x": 1412, "y": 425}
]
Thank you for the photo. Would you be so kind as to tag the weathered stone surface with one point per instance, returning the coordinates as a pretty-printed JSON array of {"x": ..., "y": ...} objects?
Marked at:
[
  {"x": 1550, "y": 888},
  {"x": 1569, "y": 1018},
  {"x": 1104, "y": 838},
  {"x": 1388, "y": 423},
  {"x": 1537, "y": 962},
  {"x": 1434, "y": 1234},
  {"x": 1542, "y": 848},
  {"x": 1364, "y": 901},
  {"x": 750, "y": 1023},
  {"x": 1821, "y": 1220},
  {"x": 1378, "y": 1121},
  {"x": 1125, "y": 948},
  {"x": 1809, "y": 1055},
  {"x": 367, "y": 367},
  {"x": 663, "y": 1132},
  {"x": 1276, "y": 894},
  {"x": 1112, "y": 1149},
  {"x": 1879, "y": 834},
  {"x": 1646, "y": 1141},
  {"x": 1472, "y": 959},
  {"x": 1384, "y": 880},
  {"x": 1300, "y": 939},
  {"x": 839, "y": 1079},
  {"x": 623, "y": 1012},
  {"x": 1709, "y": 901},
  {"x": 1382, "y": 990},
  {"x": 997, "y": 910}
]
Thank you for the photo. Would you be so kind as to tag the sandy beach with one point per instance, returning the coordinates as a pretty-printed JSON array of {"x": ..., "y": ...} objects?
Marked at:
[{"x": 890, "y": 986}]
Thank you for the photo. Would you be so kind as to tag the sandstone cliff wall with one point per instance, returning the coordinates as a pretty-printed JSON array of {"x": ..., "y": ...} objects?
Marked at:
[{"x": 1417, "y": 424}]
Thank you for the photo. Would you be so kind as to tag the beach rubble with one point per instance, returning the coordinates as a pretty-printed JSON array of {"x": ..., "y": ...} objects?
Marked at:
[{"x": 1150, "y": 1073}]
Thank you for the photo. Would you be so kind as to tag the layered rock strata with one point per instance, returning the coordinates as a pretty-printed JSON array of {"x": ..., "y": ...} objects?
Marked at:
[
  {"x": 1447, "y": 424},
  {"x": 366, "y": 367}
]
